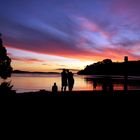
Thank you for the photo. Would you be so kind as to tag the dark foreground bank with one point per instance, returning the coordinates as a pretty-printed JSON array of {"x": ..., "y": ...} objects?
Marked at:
[
  {"x": 48, "y": 101},
  {"x": 44, "y": 94},
  {"x": 80, "y": 94}
]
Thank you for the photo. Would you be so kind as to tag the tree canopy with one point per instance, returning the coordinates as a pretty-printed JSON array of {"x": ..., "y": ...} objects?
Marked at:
[
  {"x": 5, "y": 62},
  {"x": 107, "y": 67}
]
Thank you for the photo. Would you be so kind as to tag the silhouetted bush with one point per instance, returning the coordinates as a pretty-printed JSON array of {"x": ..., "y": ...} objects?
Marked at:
[{"x": 6, "y": 89}]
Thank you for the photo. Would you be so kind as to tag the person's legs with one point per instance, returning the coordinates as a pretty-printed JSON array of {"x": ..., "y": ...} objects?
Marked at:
[
  {"x": 69, "y": 87},
  {"x": 62, "y": 88},
  {"x": 72, "y": 85},
  {"x": 65, "y": 88}
]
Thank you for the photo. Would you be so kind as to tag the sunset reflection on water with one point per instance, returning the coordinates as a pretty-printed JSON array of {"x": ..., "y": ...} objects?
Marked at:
[{"x": 36, "y": 82}]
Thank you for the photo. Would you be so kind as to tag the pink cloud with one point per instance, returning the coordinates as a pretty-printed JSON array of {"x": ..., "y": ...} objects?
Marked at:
[
  {"x": 28, "y": 60},
  {"x": 89, "y": 25}
]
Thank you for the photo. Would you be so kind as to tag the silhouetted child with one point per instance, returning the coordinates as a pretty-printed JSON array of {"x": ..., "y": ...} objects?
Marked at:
[{"x": 54, "y": 89}]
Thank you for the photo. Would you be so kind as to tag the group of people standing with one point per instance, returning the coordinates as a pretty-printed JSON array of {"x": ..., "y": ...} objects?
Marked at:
[{"x": 67, "y": 80}]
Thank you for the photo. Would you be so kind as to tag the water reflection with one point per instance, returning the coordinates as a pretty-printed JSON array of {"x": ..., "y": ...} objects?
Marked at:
[
  {"x": 110, "y": 83},
  {"x": 35, "y": 82}
]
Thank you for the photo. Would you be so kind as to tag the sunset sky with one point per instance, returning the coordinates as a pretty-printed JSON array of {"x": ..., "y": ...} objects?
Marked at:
[{"x": 47, "y": 35}]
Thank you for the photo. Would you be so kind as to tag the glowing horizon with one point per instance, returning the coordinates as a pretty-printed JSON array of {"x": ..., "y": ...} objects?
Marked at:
[
  {"x": 47, "y": 35},
  {"x": 31, "y": 61}
]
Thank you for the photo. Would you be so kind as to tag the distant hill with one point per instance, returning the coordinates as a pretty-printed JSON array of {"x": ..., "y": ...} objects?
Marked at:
[
  {"x": 27, "y": 72},
  {"x": 107, "y": 67}
]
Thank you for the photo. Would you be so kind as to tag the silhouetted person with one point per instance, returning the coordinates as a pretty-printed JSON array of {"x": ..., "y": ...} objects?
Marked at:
[
  {"x": 70, "y": 80},
  {"x": 107, "y": 84},
  {"x": 94, "y": 84},
  {"x": 54, "y": 89},
  {"x": 64, "y": 80},
  {"x": 104, "y": 85}
]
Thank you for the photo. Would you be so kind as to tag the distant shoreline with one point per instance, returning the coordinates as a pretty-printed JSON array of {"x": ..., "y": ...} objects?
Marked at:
[
  {"x": 28, "y": 72},
  {"x": 51, "y": 73}
]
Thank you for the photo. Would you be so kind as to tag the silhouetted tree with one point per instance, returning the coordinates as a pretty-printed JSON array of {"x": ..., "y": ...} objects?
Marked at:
[
  {"x": 5, "y": 62},
  {"x": 107, "y": 61},
  {"x": 5, "y": 69},
  {"x": 107, "y": 67}
]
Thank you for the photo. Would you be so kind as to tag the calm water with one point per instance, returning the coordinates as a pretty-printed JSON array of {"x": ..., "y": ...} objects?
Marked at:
[{"x": 36, "y": 82}]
